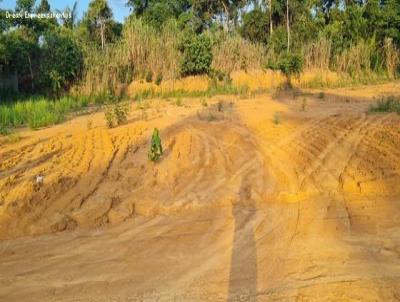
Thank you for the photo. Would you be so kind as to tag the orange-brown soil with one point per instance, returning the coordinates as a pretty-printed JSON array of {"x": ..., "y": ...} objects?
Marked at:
[{"x": 257, "y": 201}]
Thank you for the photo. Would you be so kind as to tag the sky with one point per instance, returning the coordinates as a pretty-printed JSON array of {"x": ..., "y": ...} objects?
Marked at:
[{"x": 118, "y": 7}]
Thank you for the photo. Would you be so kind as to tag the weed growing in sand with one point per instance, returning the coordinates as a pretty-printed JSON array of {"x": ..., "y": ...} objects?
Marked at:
[
  {"x": 89, "y": 124},
  {"x": 277, "y": 118},
  {"x": 304, "y": 104},
  {"x": 116, "y": 114},
  {"x": 149, "y": 76},
  {"x": 178, "y": 102},
  {"x": 220, "y": 106},
  {"x": 159, "y": 79},
  {"x": 211, "y": 117},
  {"x": 156, "y": 150},
  {"x": 321, "y": 95},
  {"x": 13, "y": 138},
  {"x": 204, "y": 103},
  {"x": 388, "y": 104},
  {"x": 4, "y": 130}
]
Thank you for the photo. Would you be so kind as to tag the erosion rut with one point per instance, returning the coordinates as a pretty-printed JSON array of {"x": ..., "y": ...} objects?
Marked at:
[{"x": 238, "y": 208}]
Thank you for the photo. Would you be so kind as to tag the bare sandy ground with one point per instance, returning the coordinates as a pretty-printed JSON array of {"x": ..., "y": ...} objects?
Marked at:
[{"x": 240, "y": 208}]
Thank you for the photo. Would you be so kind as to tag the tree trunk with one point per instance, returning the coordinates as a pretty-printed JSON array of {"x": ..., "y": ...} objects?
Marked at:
[
  {"x": 31, "y": 72},
  {"x": 226, "y": 14},
  {"x": 102, "y": 33},
  {"x": 270, "y": 17},
  {"x": 287, "y": 25}
]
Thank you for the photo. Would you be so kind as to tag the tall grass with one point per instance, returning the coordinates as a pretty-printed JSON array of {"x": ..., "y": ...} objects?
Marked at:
[
  {"x": 142, "y": 50},
  {"x": 388, "y": 104},
  {"x": 38, "y": 112}
]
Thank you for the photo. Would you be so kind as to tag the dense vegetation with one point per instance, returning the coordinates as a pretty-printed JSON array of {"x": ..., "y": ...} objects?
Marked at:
[{"x": 168, "y": 39}]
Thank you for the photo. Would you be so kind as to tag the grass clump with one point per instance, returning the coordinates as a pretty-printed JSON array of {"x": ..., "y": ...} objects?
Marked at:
[
  {"x": 304, "y": 104},
  {"x": 159, "y": 79},
  {"x": 38, "y": 112},
  {"x": 388, "y": 104},
  {"x": 116, "y": 114},
  {"x": 277, "y": 118},
  {"x": 156, "y": 150},
  {"x": 178, "y": 102},
  {"x": 321, "y": 95},
  {"x": 149, "y": 76}
]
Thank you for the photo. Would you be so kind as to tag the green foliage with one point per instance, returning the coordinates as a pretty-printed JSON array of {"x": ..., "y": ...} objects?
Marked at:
[
  {"x": 277, "y": 118},
  {"x": 197, "y": 54},
  {"x": 178, "y": 102},
  {"x": 116, "y": 114},
  {"x": 304, "y": 104},
  {"x": 61, "y": 61},
  {"x": 159, "y": 79},
  {"x": 149, "y": 76},
  {"x": 39, "y": 112},
  {"x": 156, "y": 150},
  {"x": 289, "y": 64},
  {"x": 255, "y": 26},
  {"x": 388, "y": 104}
]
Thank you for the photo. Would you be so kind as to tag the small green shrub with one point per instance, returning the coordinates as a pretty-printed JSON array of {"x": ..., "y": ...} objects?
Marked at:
[
  {"x": 178, "y": 102},
  {"x": 204, "y": 103},
  {"x": 290, "y": 64},
  {"x": 4, "y": 130},
  {"x": 116, "y": 114},
  {"x": 304, "y": 104},
  {"x": 109, "y": 116},
  {"x": 220, "y": 106},
  {"x": 197, "y": 54},
  {"x": 156, "y": 150},
  {"x": 321, "y": 95},
  {"x": 211, "y": 117},
  {"x": 277, "y": 118},
  {"x": 89, "y": 124},
  {"x": 149, "y": 76},
  {"x": 159, "y": 79},
  {"x": 388, "y": 104},
  {"x": 121, "y": 111}
]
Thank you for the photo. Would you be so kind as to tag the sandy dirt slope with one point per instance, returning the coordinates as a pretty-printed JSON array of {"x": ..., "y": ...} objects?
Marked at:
[{"x": 239, "y": 208}]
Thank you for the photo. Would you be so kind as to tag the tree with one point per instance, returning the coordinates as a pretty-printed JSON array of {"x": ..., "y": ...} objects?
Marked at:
[
  {"x": 70, "y": 21},
  {"x": 287, "y": 25},
  {"x": 290, "y": 64},
  {"x": 255, "y": 26},
  {"x": 61, "y": 61},
  {"x": 197, "y": 54},
  {"x": 44, "y": 7},
  {"x": 99, "y": 19},
  {"x": 25, "y": 5}
]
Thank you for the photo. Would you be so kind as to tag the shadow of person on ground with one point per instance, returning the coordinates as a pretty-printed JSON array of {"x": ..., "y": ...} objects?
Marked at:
[{"x": 243, "y": 272}]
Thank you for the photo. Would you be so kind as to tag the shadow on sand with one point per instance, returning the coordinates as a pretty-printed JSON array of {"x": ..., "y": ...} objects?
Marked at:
[{"x": 243, "y": 273}]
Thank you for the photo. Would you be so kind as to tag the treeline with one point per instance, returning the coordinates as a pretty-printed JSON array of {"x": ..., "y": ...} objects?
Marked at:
[{"x": 167, "y": 39}]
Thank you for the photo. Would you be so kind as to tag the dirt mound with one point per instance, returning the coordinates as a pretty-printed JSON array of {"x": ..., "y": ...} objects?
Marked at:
[{"x": 243, "y": 206}]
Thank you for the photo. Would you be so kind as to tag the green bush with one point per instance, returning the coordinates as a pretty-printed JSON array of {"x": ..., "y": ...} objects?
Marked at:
[
  {"x": 159, "y": 79},
  {"x": 290, "y": 64},
  {"x": 255, "y": 26},
  {"x": 389, "y": 104},
  {"x": 149, "y": 76},
  {"x": 116, "y": 114},
  {"x": 61, "y": 61},
  {"x": 156, "y": 150},
  {"x": 197, "y": 55}
]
